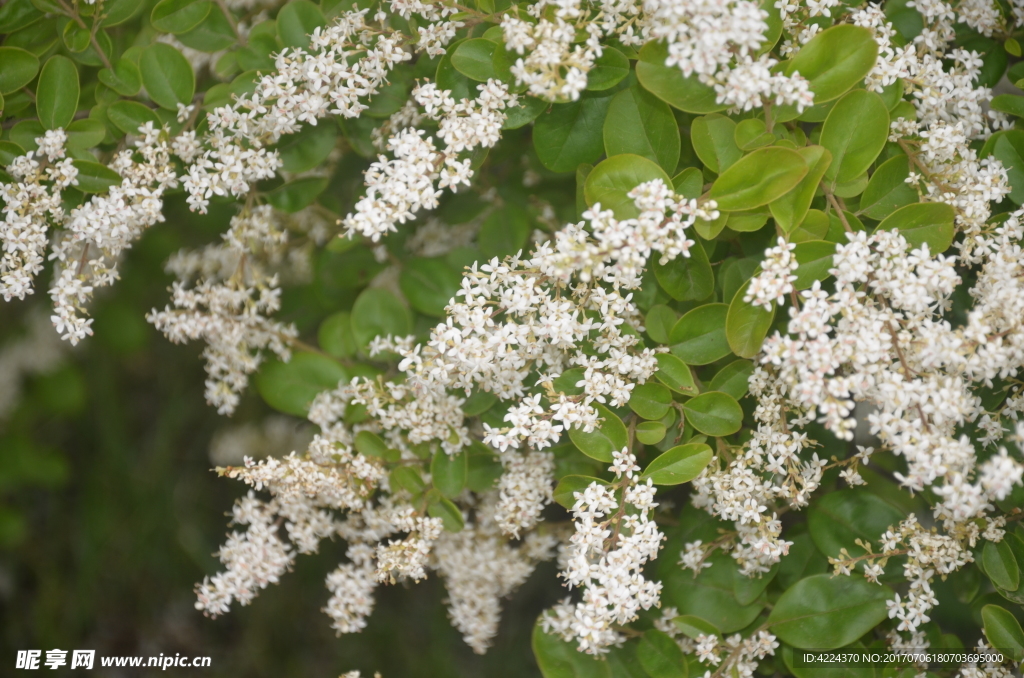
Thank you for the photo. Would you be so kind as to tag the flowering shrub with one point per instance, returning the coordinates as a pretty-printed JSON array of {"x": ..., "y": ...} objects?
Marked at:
[{"x": 717, "y": 304}]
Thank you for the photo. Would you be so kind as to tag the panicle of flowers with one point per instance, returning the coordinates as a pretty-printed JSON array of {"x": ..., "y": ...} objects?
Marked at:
[
  {"x": 735, "y": 655},
  {"x": 398, "y": 188},
  {"x": 31, "y": 203},
  {"x": 775, "y": 280},
  {"x": 615, "y": 536}
]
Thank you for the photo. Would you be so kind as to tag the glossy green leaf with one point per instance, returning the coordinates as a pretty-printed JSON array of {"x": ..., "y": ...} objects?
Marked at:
[
  {"x": 699, "y": 337},
  {"x": 370, "y": 444},
  {"x": 689, "y": 183},
  {"x": 841, "y": 517},
  {"x": 524, "y": 113},
  {"x": 609, "y": 70},
  {"x": 484, "y": 469},
  {"x": 559, "y": 659},
  {"x": 693, "y": 627},
  {"x": 94, "y": 177},
  {"x": 307, "y": 148},
  {"x": 179, "y": 16},
  {"x": 758, "y": 178},
  {"x": 611, "y": 181},
  {"x": 679, "y": 465},
  {"x": 85, "y": 133},
  {"x": 709, "y": 595},
  {"x": 714, "y": 413},
  {"x": 659, "y": 322},
  {"x": 640, "y": 123},
  {"x": 296, "y": 22},
  {"x": 570, "y": 134},
  {"x": 668, "y": 83},
  {"x": 815, "y": 259},
  {"x": 377, "y": 313},
  {"x": 660, "y": 656},
  {"x": 675, "y": 374},
  {"x": 429, "y": 285},
  {"x": 335, "y": 335},
  {"x": 19, "y": 68},
  {"x": 129, "y": 116},
  {"x": 449, "y": 472},
  {"x": 752, "y": 133},
  {"x": 565, "y": 491},
  {"x": 504, "y": 231},
  {"x": 598, "y": 444},
  {"x": 57, "y": 92},
  {"x": 747, "y": 325},
  {"x": 714, "y": 141},
  {"x": 439, "y": 506},
  {"x": 835, "y": 60},
  {"x": 474, "y": 59},
  {"x": 1003, "y": 631},
  {"x": 650, "y": 432},
  {"x": 125, "y": 79},
  {"x": 790, "y": 210},
  {"x": 748, "y": 589},
  {"x": 408, "y": 479},
  {"x": 167, "y": 76},
  {"x": 827, "y": 612},
  {"x": 1000, "y": 565},
  {"x": 1009, "y": 150},
  {"x": 855, "y": 133},
  {"x": 1009, "y": 103},
  {"x": 297, "y": 194},
  {"x": 686, "y": 278},
  {"x": 733, "y": 378},
  {"x": 888, "y": 190},
  {"x": 650, "y": 400},
  {"x": 928, "y": 223},
  {"x": 290, "y": 387}
]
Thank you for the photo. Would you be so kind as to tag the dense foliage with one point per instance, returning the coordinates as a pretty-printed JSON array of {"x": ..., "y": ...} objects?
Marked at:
[{"x": 716, "y": 305}]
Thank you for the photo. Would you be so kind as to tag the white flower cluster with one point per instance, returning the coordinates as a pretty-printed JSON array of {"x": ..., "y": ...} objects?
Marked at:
[
  {"x": 397, "y": 189},
  {"x": 775, "y": 280},
  {"x": 741, "y": 655},
  {"x": 615, "y": 536}
]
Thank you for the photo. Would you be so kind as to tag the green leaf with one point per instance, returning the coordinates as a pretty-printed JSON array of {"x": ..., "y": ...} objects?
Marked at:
[
  {"x": 611, "y": 181},
  {"x": 370, "y": 444},
  {"x": 524, "y": 113},
  {"x": 709, "y": 595},
  {"x": 307, "y": 148},
  {"x": 429, "y": 285},
  {"x": 559, "y": 659},
  {"x": 733, "y": 378},
  {"x": 686, "y": 278},
  {"x": 598, "y": 444},
  {"x": 450, "y": 79},
  {"x": 86, "y": 133},
  {"x": 569, "y": 485},
  {"x": 675, "y": 374},
  {"x": 888, "y": 190},
  {"x": 659, "y": 322},
  {"x": 826, "y": 612},
  {"x": 640, "y": 123},
  {"x": 790, "y": 210},
  {"x": 748, "y": 589},
  {"x": 484, "y": 468},
  {"x": 660, "y": 656},
  {"x": 297, "y": 194},
  {"x": 449, "y": 513},
  {"x": 18, "y": 14},
  {"x": 1003, "y": 631},
  {"x": 650, "y": 432},
  {"x": 449, "y": 472},
  {"x": 689, "y": 183},
  {"x": 290, "y": 387},
  {"x": 841, "y": 517},
  {"x": 57, "y": 92},
  {"x": 758, "y": 178},
  {"x": 407, "y": 478},
  {"x": 297, "y": 20},
  {"x": 752, "y": 133},
  {"x": 668, "y": 83},
  {"x": 699, "y": 337},
  {"x": 1009, "y": 150},
  {"x": 129, "y": 116},
  {"x": 9, "y": 151},
  {"x": 504, "y": 231},
  {"x": 94, "y": 177},
  {"x": 1000, "y": 565},
  {"x": 747, "y": 325},
  {"x": 835, "y": 60},
  {"x": 679, "y": 465},
  {"x": 714, "y": 413},
  {"x": 167, "y": 76},
  {"x": 335, "y": 335},
  {"x": 1009, "y": 103},
  {"x": 609, "y": 70},
  {"x": 693, "y": 627},
  {"x": 570, "y": 134},
  {"x": 376, "y": 313},
  {"x": 814, "y": 227},
  {"x": 815, "y": 259},
  {"x": 714, "y": 141},
  {"x": 928, "y": 223},
  {"x": 19, "y": 67},
  {"x": 478, "y": 403},
  {"x": 855, "y": 133},
  {"x": 474, "y": 59},
  {"x": 125, "y": 79},
  {"x": 179, "y": 16},
  {"x": 650, "y": 400}
]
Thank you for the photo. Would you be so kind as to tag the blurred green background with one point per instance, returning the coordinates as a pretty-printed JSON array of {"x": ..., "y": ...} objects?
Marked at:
[{"x": 110, "y": 513}]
